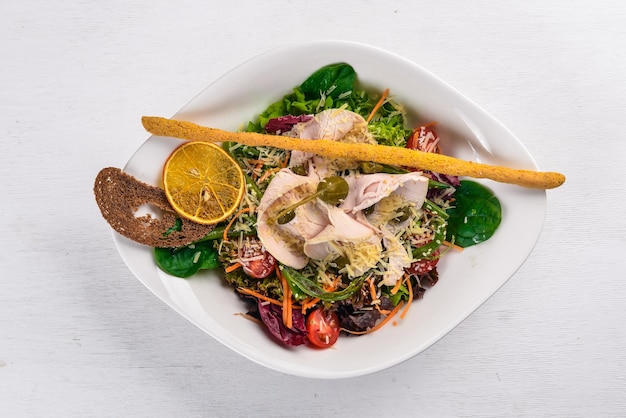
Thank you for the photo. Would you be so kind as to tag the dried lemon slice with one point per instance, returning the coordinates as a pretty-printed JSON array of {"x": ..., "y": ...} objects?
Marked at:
[{"x": 202, "y": 182}]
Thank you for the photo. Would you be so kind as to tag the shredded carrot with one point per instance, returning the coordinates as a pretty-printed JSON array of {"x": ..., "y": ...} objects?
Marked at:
[
  {"x": 289, "y": 323},
  {"x": 225, "y": 236},
  {"x": 267, "y": 174},
  {"x": 337, "y": 282},
  {"x": 287, "y": 305},
  {"x": 308, "y": 304},
  {"x": 255, "y": 161},
  {"x": 284, "y": 162},
  {"x": 382, "y": 311},
  {"x": 232, "y": 267},
  {"x": 287, "y": 318},
  {"x": 255, "y": 170},
  {"x": 381, "y": 101},
  {"x": 257, "y": 295},
  {"x": 373, "y": 291},
  {"x": 331, "y": 287},
  {"x": 396, "y": 287},
  {"x": 380, "y": 324},
  {"x": 452, "y": 245},
  {"x": 408, "y": 304}
]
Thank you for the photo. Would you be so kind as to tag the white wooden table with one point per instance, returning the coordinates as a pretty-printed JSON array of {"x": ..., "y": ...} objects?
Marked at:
[{"x": 80, "y": 336}]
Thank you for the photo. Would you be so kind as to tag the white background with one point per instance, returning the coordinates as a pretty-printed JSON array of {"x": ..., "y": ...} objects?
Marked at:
[{"x": 80, "y": 336}]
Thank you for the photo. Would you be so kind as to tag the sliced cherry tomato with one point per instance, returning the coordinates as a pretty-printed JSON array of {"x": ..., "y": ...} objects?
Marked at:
[
  {"x": 419, "y": 267},
  {"x": 255, "y": 260},
  {"x": 322, "y": 327},
  {"x": 423, "y": 139},
  {"x": 261, "y": 268}
]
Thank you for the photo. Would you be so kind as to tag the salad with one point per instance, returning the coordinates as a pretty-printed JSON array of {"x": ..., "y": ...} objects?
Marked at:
[{"x": 322, "y": 247}]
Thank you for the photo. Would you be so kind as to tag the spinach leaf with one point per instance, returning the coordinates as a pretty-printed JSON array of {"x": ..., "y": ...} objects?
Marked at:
[
  {"x": 218, "y": 233},
  {"x": 476, "y": 215},
  {"x": 305, "y": 99},
  {"x": 210, "y": 259},
  {"x": 331, "y": 80},
  {"x": 187, "y": 261},
  {"x": 301, "y": 286}
]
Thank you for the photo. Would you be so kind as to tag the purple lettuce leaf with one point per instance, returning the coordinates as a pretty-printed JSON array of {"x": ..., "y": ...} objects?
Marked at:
[
  {"x": 272, "y": 317},
  {"x": 284, "y": 124}
]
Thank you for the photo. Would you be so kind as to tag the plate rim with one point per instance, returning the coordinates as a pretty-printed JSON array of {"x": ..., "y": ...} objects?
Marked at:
[{"x": 120, "y": 241}]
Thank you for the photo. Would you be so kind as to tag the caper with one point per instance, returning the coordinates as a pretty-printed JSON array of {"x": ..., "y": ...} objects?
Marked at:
[
  {"x": 368, "y": 167},
  {"x": 286, "y": 217},
  {"x": 341, "y": 262},
  {"x": 333, "y": 190},
  {"x": 299, "y": 170},
  {"x": 369, "y": 210}
]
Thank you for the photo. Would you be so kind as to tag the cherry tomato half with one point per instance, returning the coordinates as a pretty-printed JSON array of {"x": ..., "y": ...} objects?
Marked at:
[
  {"x": 423, "y": 139},
  {"x": 322, "y": 327},
  {"x": 420, "y": 267},
  {"x": 260, "y": 268},
  {"x": 255, "y": 260}
]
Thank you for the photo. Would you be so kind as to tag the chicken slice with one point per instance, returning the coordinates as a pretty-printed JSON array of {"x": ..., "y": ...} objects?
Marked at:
[
  {"x": 285, "y": 242},
  {"x": 368, "y": 189},
  {"x": 334, "y": 125},
  {"x": 340, "y": 227}
]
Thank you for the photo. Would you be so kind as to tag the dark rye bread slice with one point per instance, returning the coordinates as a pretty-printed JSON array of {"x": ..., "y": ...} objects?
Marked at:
[{"x": 119, "y": 195}]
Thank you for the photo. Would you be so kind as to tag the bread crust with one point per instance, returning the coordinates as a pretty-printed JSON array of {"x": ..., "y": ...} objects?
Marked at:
[{"x": 119, "y": 196}]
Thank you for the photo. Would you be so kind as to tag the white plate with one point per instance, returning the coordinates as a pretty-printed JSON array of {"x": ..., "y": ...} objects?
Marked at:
[{"x": 467, "y": 278}]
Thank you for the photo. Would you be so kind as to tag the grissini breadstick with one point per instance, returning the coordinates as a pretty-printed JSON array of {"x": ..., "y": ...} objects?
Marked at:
[{"x": 361, "y": 152}]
